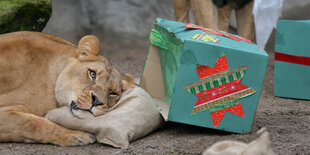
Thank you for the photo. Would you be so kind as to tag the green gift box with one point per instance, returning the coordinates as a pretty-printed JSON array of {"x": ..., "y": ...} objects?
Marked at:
[
  {"x": 292, "y": 59},
  {"x": 204, "y": 77}
]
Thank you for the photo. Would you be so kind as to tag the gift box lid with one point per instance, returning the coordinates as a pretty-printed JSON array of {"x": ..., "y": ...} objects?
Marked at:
[{"x": 183, "y": 33}]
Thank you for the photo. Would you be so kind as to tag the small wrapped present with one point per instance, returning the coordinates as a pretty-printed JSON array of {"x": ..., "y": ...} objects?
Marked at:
[
  {"x": 208, "y": 78},
  {"x": 292, "y": 59}
]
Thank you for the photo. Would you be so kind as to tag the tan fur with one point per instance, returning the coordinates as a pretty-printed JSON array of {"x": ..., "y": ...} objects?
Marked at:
[
  {"x": 260, "y": 146},
  {"x": 209, "y": 15},
  {"x": 38, "y": 72}
]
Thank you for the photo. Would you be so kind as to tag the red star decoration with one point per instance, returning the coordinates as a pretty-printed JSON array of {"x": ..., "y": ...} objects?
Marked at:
[{"x": 223, "y": 96}]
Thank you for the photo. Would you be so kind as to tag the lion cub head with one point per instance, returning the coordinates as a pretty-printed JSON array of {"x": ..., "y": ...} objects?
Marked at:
[{"x": 89, "y": 84}]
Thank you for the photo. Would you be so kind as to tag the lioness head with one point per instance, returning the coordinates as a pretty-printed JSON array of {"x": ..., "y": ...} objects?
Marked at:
[{"x": 89, "y": 84}]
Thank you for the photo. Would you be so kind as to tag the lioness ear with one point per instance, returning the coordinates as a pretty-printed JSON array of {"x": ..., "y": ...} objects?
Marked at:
[
  {"x": 89, "y": 45},
  {"x": 127, "y": 82}
]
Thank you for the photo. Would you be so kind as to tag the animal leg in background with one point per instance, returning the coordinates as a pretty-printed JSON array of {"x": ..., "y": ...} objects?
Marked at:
[
  {"x": 181, "y": 10},
  {"x": 245, "y": 22},
  {"x": 27, "y": 127},
  {"x": 205, "y": 13},
  {"x": 223, "y": 17}
]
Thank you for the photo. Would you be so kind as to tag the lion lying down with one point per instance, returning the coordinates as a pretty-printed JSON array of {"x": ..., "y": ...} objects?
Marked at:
[{"x": 38, "y": 72}]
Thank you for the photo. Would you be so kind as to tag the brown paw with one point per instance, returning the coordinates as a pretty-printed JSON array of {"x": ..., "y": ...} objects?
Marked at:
[{"x": 78, "y": 138}]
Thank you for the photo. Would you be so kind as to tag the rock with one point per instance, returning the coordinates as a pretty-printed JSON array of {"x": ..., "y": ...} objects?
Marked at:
[
  {"x": 18, "y": 15},
  {"x": 115, "y": 23}
]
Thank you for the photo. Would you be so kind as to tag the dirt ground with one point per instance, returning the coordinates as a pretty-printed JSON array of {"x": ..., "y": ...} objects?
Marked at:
[{"x": 287, "y": 120}]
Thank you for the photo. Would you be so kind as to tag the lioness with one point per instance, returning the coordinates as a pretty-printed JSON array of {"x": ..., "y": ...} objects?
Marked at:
[{"x": 39, "y": 72}]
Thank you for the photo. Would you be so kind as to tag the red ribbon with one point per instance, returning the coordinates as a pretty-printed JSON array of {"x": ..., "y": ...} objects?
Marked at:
[
  {"x": 292, "y": 58},
  {"x": 220, "y": 33},
  {"x": 220, "y": 91}
]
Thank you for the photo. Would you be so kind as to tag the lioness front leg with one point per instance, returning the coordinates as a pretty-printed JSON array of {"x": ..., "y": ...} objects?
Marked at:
[{"x": 17, "y": 126}]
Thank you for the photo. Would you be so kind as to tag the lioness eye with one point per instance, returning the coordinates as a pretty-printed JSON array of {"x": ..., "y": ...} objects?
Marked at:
[
  {"x": 92, "y": 74},
  {"x": 113, "y": 94}
]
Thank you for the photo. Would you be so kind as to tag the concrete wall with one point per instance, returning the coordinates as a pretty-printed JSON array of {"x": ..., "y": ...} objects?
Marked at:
[{"x": 296, "y": 9}]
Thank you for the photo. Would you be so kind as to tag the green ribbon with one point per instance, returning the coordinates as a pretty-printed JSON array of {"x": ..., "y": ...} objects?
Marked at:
[{"x": 157, "y": 39}]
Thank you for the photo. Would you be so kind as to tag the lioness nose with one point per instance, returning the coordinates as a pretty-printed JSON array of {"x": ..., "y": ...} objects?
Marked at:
[
  {"x": 95, "y": 100},
  {"x": 73, "y": 105}
]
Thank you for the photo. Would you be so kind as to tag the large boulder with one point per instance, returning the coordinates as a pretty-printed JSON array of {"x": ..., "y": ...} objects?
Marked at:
[
  {"x": 115, "y": 22},
  {"x": 18, "y": 15}
]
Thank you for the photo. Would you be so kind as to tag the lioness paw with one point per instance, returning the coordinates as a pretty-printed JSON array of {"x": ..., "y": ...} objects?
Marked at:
[{"x": 79, "y": 138}]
